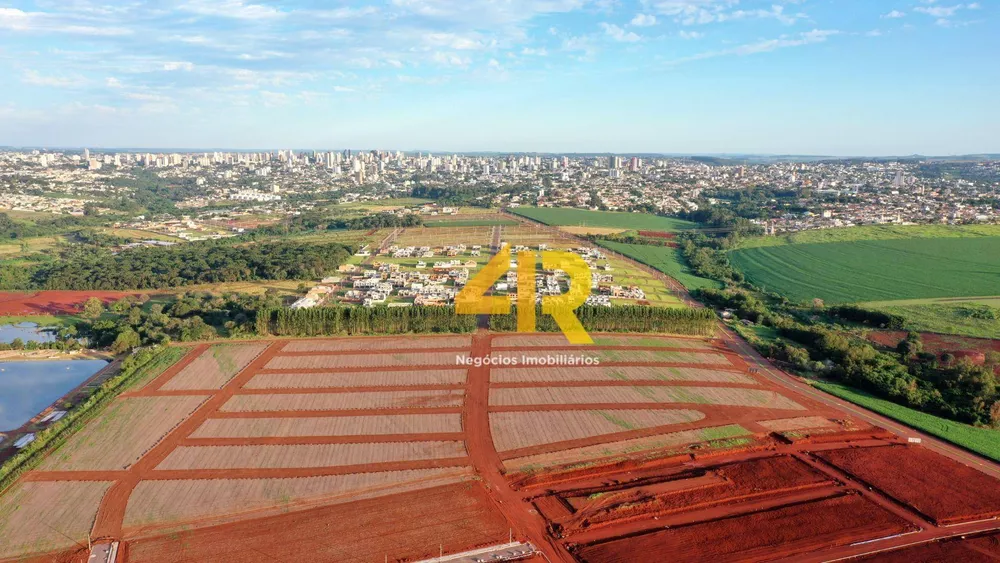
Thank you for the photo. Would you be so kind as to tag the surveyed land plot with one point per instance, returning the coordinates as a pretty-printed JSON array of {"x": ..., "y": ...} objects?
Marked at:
[
  {"x": 42, "y": 517},
  {"x": 621, "y": 356},
  {"x": 345, "y": 401},
  {"x": 681, "y": 394},
  {"x": 514, "y": 430},
  {"x": 175, "y": 501},
  {"x": 395, "y": 343},
  {"x": 356, "y": 379},
  {"x": 529, "y": 340},
  {"x": 318, "y": 455},
  {"x": 377, "y": 425},
  {"x": 566, "y": 216},
  {"x": 624, "y": 447},
  {"x": 616, "y": 373},
  {"x": 122, "y": 434},
  {"x": 215, "y": 367},
  {"x": 362, "y": 361}
]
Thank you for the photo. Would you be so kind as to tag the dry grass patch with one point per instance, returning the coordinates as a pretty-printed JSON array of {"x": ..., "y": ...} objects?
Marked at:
[
  {"x": 171, "y": 502},
  {"x": 122, "y": 434},
  {"x": 329, "y": 426},
  {"x": 318, "y": 455},
  {"x": 619, "y": 373},
  {"x": 364, "y": 360},
  {"x": 593, "y": 395},
  {"x": 395, "y": 343},
  {"x": 215, "y": 367},
  {"x": 514, "y": 430},
  {"x": 356, "y": 379},
  {"x": 38, "y": 517},
  {"x": 345, "y": 401}
]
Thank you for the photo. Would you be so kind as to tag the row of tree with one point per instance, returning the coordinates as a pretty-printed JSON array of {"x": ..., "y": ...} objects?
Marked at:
[
  {"x": 622, "y": 318},
  {"x": 325, "y": 321}
]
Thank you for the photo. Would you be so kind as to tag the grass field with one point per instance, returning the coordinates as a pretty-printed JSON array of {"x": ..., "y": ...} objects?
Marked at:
[
  {"x": 980, "y": 440},
  {"x": 877, "y": 270},
  {"x": 664, "y": 259},
  {"x": 564, "y": 216},
  {"x": 875, "y": 232},
  {"x": 962, "y": 319}
]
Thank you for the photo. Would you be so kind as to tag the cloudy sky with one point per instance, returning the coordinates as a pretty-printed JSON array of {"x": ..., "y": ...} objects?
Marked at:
[{"x": 839, "y": 77}]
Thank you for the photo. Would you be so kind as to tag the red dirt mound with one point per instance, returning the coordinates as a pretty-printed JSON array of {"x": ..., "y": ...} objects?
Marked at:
[
  {"x": 52, "y": 302},
  {"x": 755, "y": 537},
  {"x": 983, "y": 548},
  {"x": 943, "y": 490}
]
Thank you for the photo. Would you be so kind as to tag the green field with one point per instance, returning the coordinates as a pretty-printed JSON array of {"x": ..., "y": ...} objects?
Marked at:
[
  {"x": 874, "y": 232},
  {"x": 983, "y": 441},
  {"x": 566, "y": 216},
  {"x": 875, "y": 270},
  {"x": 663, "y": 258},
  {"x": 968, "y": 319}
]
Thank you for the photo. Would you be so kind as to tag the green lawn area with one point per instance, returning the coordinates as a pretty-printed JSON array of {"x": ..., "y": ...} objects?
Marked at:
[
  {"x": 983, "y": 441},
  {"x": 567, "y": 216},
  {"x": 969, "y": 319},
  {"x": 875, "y": 270},
  {"x": 43, "y": 320},
  {"x": 663, "y": 258},
  {"x": 874, "y": 232}
]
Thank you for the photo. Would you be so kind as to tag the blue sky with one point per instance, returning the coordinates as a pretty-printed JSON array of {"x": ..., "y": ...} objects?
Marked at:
[{"x": 837, "y": 77}]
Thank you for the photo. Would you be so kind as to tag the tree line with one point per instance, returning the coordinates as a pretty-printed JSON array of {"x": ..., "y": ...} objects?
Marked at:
[
  {"x": 328, "y": 321},
  {"x": 622, "y": 318}
]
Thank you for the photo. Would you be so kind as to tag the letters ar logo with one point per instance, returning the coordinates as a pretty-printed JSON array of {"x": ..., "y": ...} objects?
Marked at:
[{"x": 472, "y": 300}]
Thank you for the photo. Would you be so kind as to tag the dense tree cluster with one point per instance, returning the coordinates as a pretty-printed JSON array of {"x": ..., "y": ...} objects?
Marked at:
[
  {"x": 878, "y": 319},
  {"x": 188, "y": 264},
  {"x": 623, "y": 318},
  {"x": 44, "y": 226}
]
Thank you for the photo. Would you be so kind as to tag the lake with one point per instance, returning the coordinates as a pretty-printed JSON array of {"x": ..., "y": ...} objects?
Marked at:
[
  {"x": 26, "y": 388},
  {"x": 26, "y": 332}
]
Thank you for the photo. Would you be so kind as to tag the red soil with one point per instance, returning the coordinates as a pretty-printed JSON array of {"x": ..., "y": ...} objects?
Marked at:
[
  {"x": 722, "y": 485},
  {"x": 755, "y": 537},
  {"x": 656, "y": 234},
  {"x": 982, "y": 548},
  {"x": 939, "y": 488},
  {"x": 938, "y": 343},
  {"x": 52, "y": 302},
  {"x": 404, "y": 527}
]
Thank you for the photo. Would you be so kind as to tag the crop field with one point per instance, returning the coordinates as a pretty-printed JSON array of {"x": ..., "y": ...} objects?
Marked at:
[
  {"x": 515, "y": 430},
  {"x": 665, "y": 259},
  {"x": 356, "y": 379},
  {"x": 849, "y": 272},
  {"x": 128, "y": 429},
  {"x": 215, "y": 367},
  {"x": 422, "y": 456},
  {"x": 565, "y": 216},
  {"x": 979, "y": 318},
  {"x": 874, "y": 232}
]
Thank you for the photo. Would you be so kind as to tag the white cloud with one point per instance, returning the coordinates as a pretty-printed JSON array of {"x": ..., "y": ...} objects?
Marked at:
[
  {"x": 18, "y": 20},
  {"x": 35, "y": 79},
  {"x": 939, "y": 11},
  {"x": 895, "y": 14},
  {"x": 619, "y": 34},
  {"x": 684, "y": 34},
  {"x": 450, "y": 59},
  {"x": 178, "y": 65},
  {"x": 529, "y": 51},
  {"x": 643, "y": 20},
  {"x": 236, "y": 9}
]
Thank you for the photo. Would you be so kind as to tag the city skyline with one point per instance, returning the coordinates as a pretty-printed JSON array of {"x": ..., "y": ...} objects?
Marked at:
[{"x": 672, "y": 77}]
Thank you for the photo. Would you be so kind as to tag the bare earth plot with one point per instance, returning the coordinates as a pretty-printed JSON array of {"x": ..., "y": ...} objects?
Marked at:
[{"x": 356, "y": 449}]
